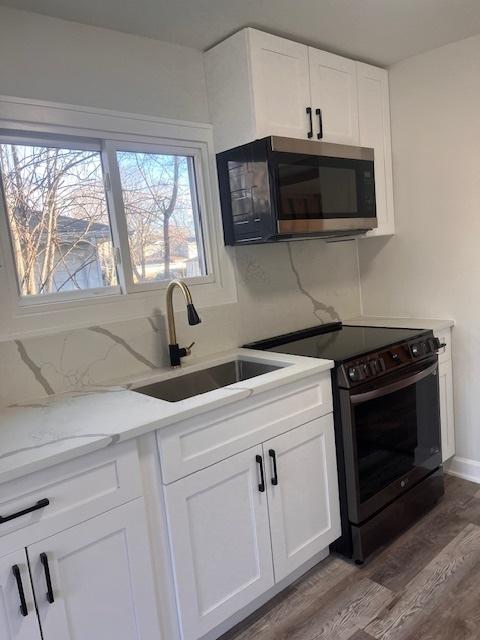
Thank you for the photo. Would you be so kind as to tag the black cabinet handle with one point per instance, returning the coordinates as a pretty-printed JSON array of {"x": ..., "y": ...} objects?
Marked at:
[
  {"x": 39, "y": 505},
  {"x": 320, "y": 124},
  {"x": 261, "y": 486},
  {"x": 309, "y": 114},
  {"x": 48, "y": 579},
  {"x": 272, "y": 454},
  {"x": 21, "y": 593}
]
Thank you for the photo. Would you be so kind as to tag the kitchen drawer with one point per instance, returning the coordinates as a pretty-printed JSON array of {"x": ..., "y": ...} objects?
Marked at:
[
  {"x": 445, "y": 336},
  {"x": 76, "y": 490},
  {"x": 204, "y": 440}
]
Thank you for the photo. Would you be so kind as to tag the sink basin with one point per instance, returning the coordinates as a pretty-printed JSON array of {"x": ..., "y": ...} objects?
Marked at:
[{"x": 193, "y": 384}]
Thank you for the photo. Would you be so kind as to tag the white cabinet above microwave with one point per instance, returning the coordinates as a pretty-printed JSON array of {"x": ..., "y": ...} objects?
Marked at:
[{"x": 261, "y": 85}]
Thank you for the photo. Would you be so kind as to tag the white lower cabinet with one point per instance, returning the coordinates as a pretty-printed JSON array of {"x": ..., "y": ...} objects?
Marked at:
[
  {"x": 93, "y": 580},
  {"x": 220, "y": 541},
  {"x": 447, "y": 422},
  {"x": 302, "y": 494},
  {"x": 234, "y": 531},
  {"x": 18, "y": 620}
]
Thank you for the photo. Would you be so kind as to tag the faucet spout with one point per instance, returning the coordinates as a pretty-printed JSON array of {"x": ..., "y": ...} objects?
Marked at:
[{"x": 176, "y": 352}]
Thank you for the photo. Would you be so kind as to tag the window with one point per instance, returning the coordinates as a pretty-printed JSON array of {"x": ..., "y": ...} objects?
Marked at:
[
  {"x": 159, "y": 201},
  {"x": 58, "y": 218},
  {"x": 97, "y": 217},
  {"x": 83, "y": 258}
]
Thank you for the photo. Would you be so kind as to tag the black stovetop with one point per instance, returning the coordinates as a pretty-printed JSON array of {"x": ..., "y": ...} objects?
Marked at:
[{"x": 335, "y": 341}]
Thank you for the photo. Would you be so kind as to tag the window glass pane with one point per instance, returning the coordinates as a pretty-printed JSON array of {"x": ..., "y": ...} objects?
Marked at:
[
  {"x": 58, "y": 218},
  {"x": 162, "y": 220}
]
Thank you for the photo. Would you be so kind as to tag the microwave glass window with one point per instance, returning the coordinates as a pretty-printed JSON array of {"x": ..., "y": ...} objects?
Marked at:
[{"x": 317, "y": 191}]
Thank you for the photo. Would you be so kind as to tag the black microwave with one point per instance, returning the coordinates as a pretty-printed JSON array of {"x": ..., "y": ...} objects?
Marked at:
[{"x": 283, "y": 189}]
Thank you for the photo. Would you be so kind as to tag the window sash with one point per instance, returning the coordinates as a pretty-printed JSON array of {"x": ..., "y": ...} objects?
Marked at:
[{"x": 114, "y": 198}]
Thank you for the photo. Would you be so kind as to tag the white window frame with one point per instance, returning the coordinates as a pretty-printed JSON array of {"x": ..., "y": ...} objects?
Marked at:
[{"x": 20, "y": 316}]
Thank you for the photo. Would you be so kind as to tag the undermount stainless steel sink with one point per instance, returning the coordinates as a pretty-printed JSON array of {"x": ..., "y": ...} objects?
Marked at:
[{"x": 193, "y": 384}]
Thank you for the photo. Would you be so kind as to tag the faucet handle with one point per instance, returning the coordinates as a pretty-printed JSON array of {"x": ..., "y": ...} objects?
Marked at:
[{"x": 189, "y": 348}]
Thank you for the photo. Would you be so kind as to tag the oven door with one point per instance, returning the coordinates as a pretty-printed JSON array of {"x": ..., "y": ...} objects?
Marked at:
[
  {"x": 391, "y": 437},
  {"x": 321, "y": 193}
]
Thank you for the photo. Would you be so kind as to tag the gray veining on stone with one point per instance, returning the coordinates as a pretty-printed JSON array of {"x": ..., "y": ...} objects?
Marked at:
[
  {"x": 318, "y": 306},
  {"x": 252, "y": 270},
  {"x": 151, "y": 322},
  {"x": 24, "y": 405},
  {"x": 124, "y": 344},
  {"x": 34, "y": 368}
]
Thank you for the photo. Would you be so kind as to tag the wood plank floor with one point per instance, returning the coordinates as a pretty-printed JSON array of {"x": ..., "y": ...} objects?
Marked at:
[{"x": 423, "y": 586}]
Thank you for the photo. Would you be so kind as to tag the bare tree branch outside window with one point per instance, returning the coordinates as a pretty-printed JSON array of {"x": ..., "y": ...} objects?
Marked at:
[
  {"x": 58, "y": 218},
  {"x": 59, "y": 221},
  {"x": 157, "y": 197}
]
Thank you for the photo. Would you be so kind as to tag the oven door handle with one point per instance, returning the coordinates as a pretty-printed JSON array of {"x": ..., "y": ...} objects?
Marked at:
[{"x": 358, "y": 398}]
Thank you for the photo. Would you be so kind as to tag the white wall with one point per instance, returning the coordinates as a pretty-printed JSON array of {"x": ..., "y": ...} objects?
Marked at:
[
  {"x": 431, "y": 268},
  {"x": 49, "y": 59},
  {"x": 280, "y": 288}
]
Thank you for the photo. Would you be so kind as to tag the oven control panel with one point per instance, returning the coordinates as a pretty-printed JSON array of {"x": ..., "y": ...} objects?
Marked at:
[{"x": 376, "y": 364}]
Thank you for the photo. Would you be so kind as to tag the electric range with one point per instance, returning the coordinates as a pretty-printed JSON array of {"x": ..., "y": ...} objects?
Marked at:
[{"x": 387, "y": 425}]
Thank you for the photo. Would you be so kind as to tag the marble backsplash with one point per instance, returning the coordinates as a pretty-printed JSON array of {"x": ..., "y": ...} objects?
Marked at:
[{"x": 281, "y": 288}]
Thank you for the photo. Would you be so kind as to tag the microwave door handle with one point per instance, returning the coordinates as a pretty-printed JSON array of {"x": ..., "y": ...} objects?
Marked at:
[{"x": 358, "y": 398}]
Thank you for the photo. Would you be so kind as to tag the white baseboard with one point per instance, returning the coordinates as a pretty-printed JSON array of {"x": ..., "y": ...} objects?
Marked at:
[{"x": 463, "y": 468}]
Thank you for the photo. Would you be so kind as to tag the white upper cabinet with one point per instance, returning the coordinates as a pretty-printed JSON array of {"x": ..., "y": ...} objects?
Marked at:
[
  {"x": 333, "y": 82},
  {"x": 260, "y": 85},
  {"x": 280, "y": 83},
  {"x": 374, "y": 127}
]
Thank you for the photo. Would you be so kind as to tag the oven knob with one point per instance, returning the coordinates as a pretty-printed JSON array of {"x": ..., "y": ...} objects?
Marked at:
[
  {"x": 355, "y": 374},
  {"x": 395, "y": 357},
  {"x": 415, "y": 350}
]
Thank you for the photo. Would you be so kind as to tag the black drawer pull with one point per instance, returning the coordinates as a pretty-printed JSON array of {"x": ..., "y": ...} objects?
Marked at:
[
  {"x": 271, "y": 453},
  {"x": 320, "y": 124},
  {"x": 48, "y": 579},
  {"x": 261, "y": 486},
  {"x": 309, "y": 114},
  {"x": 40, "y": 505},
  {"x": 21, "y": 593}
]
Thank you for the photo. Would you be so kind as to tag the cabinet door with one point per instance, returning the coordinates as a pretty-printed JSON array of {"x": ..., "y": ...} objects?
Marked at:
[
  {"x": 14, "y": 625},
  {"x": 101, "y": 579},
  {"x": 220, "y": 541},
  {"x": 333, "y": 83},
  {"x": 445, "y": 382},
  {"x": 281, "y": 90},
  {"x": 303, "y": 505},
  {"x": 374, "y": 125}
]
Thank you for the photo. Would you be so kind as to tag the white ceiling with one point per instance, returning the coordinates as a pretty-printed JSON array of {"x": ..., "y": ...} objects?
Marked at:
[{"x": 378, "y": 31}]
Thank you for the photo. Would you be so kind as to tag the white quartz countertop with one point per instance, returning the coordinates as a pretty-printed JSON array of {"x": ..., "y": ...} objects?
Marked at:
[
  {"x": 55, "y": 429},
  {"x": 402, "y": 323}
]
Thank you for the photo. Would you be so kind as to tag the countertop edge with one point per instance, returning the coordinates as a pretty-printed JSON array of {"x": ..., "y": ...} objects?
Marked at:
[
  {"x": 51, "y": 431},
  {"x": 435, "y": 324}
]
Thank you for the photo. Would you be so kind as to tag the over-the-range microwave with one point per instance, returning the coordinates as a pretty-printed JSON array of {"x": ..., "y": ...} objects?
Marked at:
[{"x": 283, "y": 188}]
